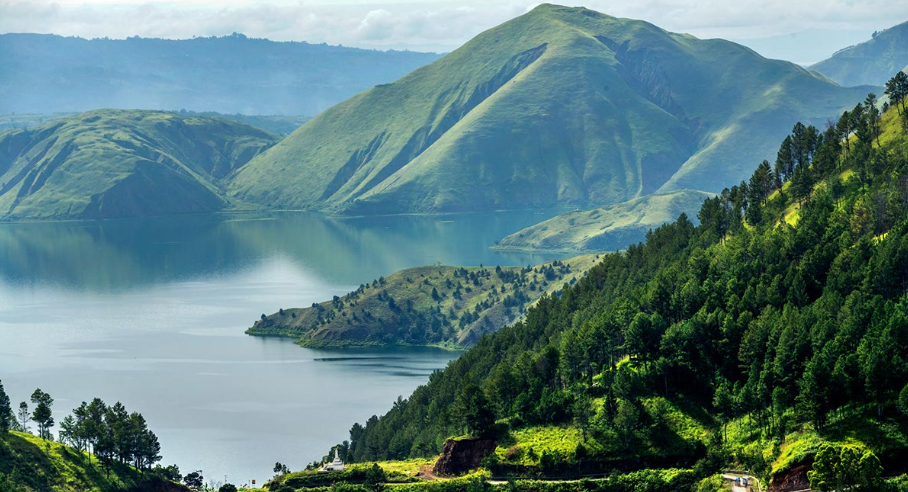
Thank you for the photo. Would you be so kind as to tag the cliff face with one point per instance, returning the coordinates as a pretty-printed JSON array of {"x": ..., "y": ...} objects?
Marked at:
[
  {"x": 461, "y": 456},
  {"x": 793, "y": 479}
]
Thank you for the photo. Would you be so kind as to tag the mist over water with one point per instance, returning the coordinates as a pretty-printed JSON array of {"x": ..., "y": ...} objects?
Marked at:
[{"x": 152, "y": 312}]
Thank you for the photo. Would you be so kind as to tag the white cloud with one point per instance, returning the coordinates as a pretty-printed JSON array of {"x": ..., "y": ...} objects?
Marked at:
[{"x": 425, "y": 24}]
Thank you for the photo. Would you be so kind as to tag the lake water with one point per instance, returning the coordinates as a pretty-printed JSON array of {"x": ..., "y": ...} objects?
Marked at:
[{"x": 152, "y": 313}]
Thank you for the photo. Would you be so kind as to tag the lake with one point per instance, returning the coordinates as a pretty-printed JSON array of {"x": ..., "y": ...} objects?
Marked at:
[{"x": 152, "y": 312}]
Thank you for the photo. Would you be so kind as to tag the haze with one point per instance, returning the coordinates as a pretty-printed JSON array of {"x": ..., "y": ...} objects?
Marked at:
[{"x": 802, "y": 32}]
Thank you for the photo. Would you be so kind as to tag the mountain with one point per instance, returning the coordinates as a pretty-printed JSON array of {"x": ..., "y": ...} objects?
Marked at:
[
  {"x": 872, "y": 62},
  {"x": 430, "y": 305},
  {"x": 45, "y": 73},
  {"x": 771, "y": 337},
  {"x": 607, "y": 228},
  {"x": 560, "y": 106},
  {"x": 278, "y": 124},
  {"x": 112, "y": 163}
]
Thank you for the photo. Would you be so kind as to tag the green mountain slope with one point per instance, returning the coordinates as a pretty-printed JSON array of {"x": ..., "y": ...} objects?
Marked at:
[
  {"x": 560, "y": 106},
  {"x": 607, "y": 228},
  {"x": 31, "y": 464},
  {"x": 430, "y": 305},
  {"x": 111, "y": 163},
  {"x": 870, "y": 63},
  {"x": 777, "y": 326}
]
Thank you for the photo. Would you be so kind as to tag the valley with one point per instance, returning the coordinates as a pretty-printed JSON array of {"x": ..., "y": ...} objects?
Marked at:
[{"x": 577, "y": 253}]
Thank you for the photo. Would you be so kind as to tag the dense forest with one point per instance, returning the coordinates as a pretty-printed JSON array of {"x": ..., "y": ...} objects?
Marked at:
[{"x": 784, "y": 311}]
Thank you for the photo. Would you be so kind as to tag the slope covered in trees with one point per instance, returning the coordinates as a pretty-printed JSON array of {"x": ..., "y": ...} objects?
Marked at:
[
  {"x": 103, "y": 448},
  {"x": 430, "y": 305},
  {"x": 609, "y": 228},
  {"x": 111, "y": 163},
  {"x": 870, "y": 63},
  {"x": 44, "y": 73},
  {"x": 560, "y": 106},
  {"x": 777, "y": 324}
]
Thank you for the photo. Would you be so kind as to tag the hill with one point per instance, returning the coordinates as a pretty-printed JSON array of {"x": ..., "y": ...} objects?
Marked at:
[
  {"x": 608, "y": 228},
  {"x": 28, "y": 463},
  {"x": 277, "y": 124},
  {"x": 45, "y": 73},
  {"x": 111, "y": 163},
  {"x": 771, "y": 337},
  {"x": 870, "y": 63},
  {"x": 430, "y": 305},
  {"x": 560, "y": 106}
]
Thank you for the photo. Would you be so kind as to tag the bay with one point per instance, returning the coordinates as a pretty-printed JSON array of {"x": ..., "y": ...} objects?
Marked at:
[{"x": 151, "y": 312}]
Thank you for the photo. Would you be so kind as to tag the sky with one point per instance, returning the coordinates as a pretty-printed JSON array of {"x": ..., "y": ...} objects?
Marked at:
[{"x": 802, "y": 31}]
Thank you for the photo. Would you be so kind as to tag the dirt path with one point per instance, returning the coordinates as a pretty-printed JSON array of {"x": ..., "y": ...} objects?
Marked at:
[{"x": 426, "y": 473}]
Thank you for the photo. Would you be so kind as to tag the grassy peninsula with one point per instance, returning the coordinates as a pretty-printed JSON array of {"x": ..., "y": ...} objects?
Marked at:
[
  {"x": 609, "y": 228},
  {"x": 430, "y": 305}
]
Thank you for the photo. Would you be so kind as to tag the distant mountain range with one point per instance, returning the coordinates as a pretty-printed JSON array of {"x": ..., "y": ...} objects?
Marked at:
[
  {"x": 558, "y": 107},
  {"x": 234, "y": 74},
  {"x": 110, "y": 163},
  {"x": 872, "y": 62}
]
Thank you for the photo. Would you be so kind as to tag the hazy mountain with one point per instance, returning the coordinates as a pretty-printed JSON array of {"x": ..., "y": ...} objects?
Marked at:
[
  {"x": 872, "y": 62},
  {"x": 112, "y": 163},
  {"x": 279, "y": 124},
  {"x": 561, "y": 106},
  {"x": 609, "y": 228},
  {"x": 233, "y": 74}
]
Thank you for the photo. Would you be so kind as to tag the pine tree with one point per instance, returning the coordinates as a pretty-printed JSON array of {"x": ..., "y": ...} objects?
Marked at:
[{"x": 6, "y": 411}]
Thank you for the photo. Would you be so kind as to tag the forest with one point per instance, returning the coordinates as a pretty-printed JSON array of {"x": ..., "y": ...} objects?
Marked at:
[{"x": 783, "y": 313}]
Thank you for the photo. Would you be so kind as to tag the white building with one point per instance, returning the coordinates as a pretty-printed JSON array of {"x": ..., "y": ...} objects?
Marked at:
[{"x": 336, "y": 465}]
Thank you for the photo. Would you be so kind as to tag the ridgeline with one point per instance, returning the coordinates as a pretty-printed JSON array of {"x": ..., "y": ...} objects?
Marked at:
[
  {"x": 558, "y": 107},
  {"x": 113, "y": 163}
]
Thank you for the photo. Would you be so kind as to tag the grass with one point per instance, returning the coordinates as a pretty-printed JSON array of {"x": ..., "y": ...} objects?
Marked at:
[
  {"x": 40, "y": 465},
  {"x": 525, "y": 446},
  {"x": 401, "y": 310},
  {"x": 112, "y": 163},
  {"x": 608, "y": 228},
  {"x": 539, "y": 112}
]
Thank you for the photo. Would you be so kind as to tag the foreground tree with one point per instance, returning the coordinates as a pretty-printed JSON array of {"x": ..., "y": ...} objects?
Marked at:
[
  {"x": 375, "y": 478},
  {"x": 23, "y": 416},
  {"x": 846, "y": 467},
  {"x": 472, "y": 410},
  {"x": 43, "y": 415},
  {"x": 6, "y": 411},
  {"x": 194, "y": 480}
]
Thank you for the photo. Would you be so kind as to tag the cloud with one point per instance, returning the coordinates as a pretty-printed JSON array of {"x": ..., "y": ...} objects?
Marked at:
[{"x": 423, "y": 24}]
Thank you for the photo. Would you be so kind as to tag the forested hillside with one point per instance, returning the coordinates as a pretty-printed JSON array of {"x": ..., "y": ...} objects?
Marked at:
[
  {"x": 45, "y": 73},
  {"x": 430, "y": 305},
  {"x": 558, "y": 107},
  {"x": 774, "y": 329}
]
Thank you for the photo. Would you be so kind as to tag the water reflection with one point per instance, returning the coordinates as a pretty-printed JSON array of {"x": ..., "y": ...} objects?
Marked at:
[{"x": 135, "y": 253}]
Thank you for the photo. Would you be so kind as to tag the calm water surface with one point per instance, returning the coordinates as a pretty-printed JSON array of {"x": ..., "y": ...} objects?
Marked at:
[{"x": 152, "y": 313}]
